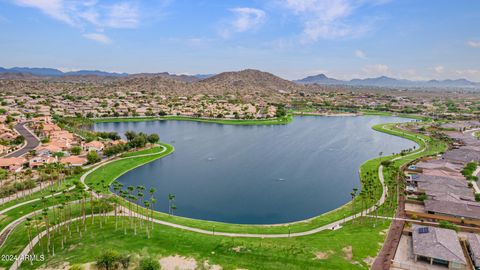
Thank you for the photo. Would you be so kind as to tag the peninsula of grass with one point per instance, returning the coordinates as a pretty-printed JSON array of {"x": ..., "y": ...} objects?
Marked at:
[
  {"x": 369, "y": 174},
  {"x": 105, "y": 174},
  {"x": 247, "y": 122}
]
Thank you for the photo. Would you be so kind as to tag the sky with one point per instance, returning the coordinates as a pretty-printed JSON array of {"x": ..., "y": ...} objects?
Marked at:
[{"x": 344, "y": 39}]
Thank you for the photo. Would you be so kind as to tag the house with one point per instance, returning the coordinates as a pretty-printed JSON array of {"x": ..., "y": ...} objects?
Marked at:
[
  {"x": 438, "y": 164},
  {"x": 73, "y": 161},
  {"x": 7, "y": 136},
  {"x": 439, "y": 180},
  {"x": 435, "y": 188},
  {"x": 462, "y": 155},
  {"x": 443, "y": 173},
  {"x": 40, "y": 160},
  {"x": 438, "y": 246},
  {"x": 93, "y": 146},
  {"x": 13, "y": 164},
  {"x": 3, "y": 149},
  {"x": 48, "y": 150},
  {"x": 473, "y": 241},
  {"x": 460, "y": 209}
]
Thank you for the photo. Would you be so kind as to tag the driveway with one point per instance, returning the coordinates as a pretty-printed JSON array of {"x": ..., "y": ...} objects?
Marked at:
[{"x": 32, "y": 141}]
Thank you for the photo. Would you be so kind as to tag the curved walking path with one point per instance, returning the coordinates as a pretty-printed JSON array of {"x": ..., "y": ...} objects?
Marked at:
[
  {"x": 284, "y": 235},
  {"x": 5, "y": 232},
  {"x": 330, "y": 226}
]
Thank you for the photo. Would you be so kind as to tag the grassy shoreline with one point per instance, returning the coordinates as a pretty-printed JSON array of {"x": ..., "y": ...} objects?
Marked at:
[
  {"x": 361, "y": 236},
  {"x": 274, "y": 121},
  {"x": 368, "y": 170}
]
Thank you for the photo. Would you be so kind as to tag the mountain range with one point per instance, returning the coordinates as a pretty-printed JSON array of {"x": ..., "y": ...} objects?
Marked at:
[
  {"x": 384, "y": 81},
  {"x": 51, "y": 72},
  {"x": 250, "y": 78}
]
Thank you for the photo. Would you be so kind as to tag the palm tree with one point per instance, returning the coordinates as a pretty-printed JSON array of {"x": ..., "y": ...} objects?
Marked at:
[
  {"x": 353, "y": 194},
  {"x": 134, "y": 199},
  {"x": 91, "y": 204},
  {"x": 147, "y": 205},
  {"x": 130, "y": 194},
  {"x": 45, "y": 217},
  {"x": 123, "y": 194},
  {"x": 152, "y": 203},
  {"x": 171, "y": 198},
  {"x": 28, "y": 225},
  {"x": 174, "y": 207}
]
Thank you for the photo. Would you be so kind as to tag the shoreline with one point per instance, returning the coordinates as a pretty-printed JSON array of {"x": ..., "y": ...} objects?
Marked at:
[
  {"x": 330, "y": 216},
  {"x": 250, "y": 122}
]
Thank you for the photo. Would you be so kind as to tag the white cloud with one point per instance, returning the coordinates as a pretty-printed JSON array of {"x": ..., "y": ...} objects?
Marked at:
[
  {"x": 245, "y": 19},
  {"x": 88, "y": 14},
  {"x": 360, "y": 54},
  {"x": 122, "y": 15},
  {"x": 375, "y": 70},
  {"x": 328, "y": 19},
  {"x": 439, "y": 69},
  {"x": 470, "y": 74},
  {"x": 473, "y": 44},
  {"x": 56, "y": 9},
  {"x": 98, "y": 37}
]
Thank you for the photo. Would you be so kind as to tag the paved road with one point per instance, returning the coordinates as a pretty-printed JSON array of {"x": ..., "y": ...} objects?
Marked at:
[{"x": 32, "y": 141}]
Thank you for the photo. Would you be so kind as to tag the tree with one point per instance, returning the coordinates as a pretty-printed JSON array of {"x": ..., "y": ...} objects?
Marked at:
[
  {"x": 76, "y": 150},
  {"x": 153, "y": 138},
  {"x": 107, "y": 260},
  {"x": 138, "y": 141},
  {"x": 171, "y": 198},
  {"x": 130, "y": 135},
  {"x": 148, "y": 264},
  {"x": 92, "y": 157},
  {"x": 3, "y": 174},
  {"x": 147, "y": 205}
]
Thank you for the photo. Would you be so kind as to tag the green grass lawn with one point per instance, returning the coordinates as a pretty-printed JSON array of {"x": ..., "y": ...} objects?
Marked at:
[
  {"x": 285, "y": 253},
  {"x": 42, "y": 193},
  {"x": 151, "y": 150},
  {"x": 18, "y": 238},
  {"x": 113, "y": 170}
]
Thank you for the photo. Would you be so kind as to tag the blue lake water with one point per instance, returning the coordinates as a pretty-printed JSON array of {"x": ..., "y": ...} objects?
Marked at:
[{"x": 260, "y": 174}]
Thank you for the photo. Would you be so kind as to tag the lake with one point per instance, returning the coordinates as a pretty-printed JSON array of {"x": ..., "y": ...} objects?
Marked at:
[{"x": 260, "y": 174}]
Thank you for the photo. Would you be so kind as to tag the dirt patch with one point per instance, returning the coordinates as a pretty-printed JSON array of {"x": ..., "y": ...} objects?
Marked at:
[
  {"x": 72, "y": 247},
  {"x": 89, "y": 266},
  {"x": 323, "y": 255},
  {"x": 65, "y": 265},
  {"x": 384, "y": 232},
  {"x": 178, "y": 263},
  {"x": 207, "y": 265},
  {"x": 238, "y": 249},
  {"x": 347, "y": 253},
  {"x": 369, "y": 260}
]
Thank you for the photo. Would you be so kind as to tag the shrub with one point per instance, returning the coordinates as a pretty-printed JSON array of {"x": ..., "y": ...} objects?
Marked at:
[
  {"x": 107, "y": 260},
  {"x": 76, "y": 150},
  {"x": 386, "y": 163},
  {"x": 448, "y": 225},
  {"x": 148, "y": 264},
  {"x": 92, "y": 157}
]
